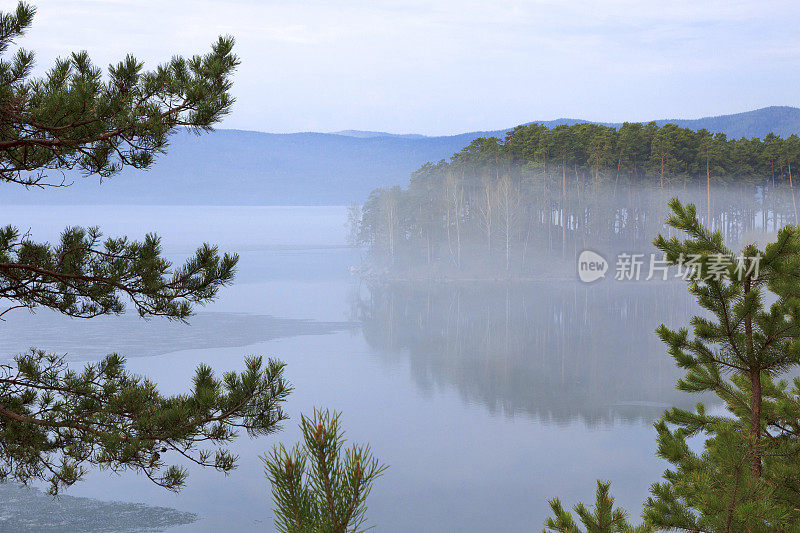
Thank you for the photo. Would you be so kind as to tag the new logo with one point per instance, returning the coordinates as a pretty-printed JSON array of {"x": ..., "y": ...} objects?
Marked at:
[{"x": 591, "y": 266}]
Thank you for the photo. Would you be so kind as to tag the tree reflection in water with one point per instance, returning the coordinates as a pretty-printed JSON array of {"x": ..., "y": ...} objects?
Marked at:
[{"x": 556, "y": 351}]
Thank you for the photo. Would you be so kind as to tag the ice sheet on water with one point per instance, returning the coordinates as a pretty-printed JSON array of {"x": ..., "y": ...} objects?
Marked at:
[
  {"x": 131, "y": 336},
  {"x": 25, "y": 509}
]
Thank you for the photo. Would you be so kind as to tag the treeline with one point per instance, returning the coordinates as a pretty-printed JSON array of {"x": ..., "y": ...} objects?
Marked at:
[{"x": 497, "y": 204}]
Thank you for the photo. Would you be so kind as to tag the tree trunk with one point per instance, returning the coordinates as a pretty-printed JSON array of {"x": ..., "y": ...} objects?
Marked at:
[
  {"x": 791, "y": 187},
  {"x": 508, "y": 245},
  {"x": 708, "y": 188},
  {"x": 489, "y": 219},
  {"x": 458, "y": 228},
  {"x": 772, "y": 168},
  {"x": 428, "y": 247},
  {"x": 563, "y": 207},
  {"x": 525, "y": 246},
  {"x": 755, "y": 401},
  {"x": 459, "y": 211},
  {"x": 755, "y": 424},
  {"x": 447, "y": 225}
]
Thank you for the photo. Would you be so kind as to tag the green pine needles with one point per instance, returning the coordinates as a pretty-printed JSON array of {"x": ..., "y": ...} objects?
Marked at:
[
  {"x": 604, "y": 518},
  {"x": 55, "y": 422},
  {"x": 318, "y": 486},
  {"x": 745, "y": 475},
  {"x": 745, "y": 479},
  {"x": 75, "y": 118},
  {"x": 85, "y": 275}
]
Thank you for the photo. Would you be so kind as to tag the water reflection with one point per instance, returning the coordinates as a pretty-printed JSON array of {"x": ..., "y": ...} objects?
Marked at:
[{"x": 554, "y": 351}]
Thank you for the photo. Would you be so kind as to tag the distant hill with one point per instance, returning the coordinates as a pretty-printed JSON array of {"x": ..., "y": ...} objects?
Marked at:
[
  {"x": 234, "y": 167},
  {"x": 361, "y": 134},
  {"x": 781, "y": 120}
]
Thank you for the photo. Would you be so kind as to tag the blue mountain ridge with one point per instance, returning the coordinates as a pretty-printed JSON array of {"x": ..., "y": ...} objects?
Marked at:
[{"x": 236, "y": 167}]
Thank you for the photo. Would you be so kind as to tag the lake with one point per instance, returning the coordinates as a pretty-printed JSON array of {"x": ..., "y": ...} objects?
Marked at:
[{"x": 484, "y": 400}]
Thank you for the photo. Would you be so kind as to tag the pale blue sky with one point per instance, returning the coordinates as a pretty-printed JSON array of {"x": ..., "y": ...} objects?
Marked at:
[{"x": 457, "y": 65}]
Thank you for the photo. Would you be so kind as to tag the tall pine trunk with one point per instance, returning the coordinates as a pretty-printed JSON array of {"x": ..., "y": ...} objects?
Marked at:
[
  {"x": 755, "y": 400},
  {"x": 755, "y": 424},
  {"x": 563, "y": 207},
  {"x": 791, "y": 187},
  {"x": 708, "y": 187}
]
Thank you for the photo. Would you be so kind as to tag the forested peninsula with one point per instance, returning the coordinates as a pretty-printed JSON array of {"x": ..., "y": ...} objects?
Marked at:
[{"x": 512, "y": 207}]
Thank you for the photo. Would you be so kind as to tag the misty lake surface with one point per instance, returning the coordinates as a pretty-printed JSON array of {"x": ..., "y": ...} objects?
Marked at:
[{"x": 484, "y": 400}]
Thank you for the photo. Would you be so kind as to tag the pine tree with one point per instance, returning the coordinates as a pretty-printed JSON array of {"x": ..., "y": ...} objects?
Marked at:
[
  {"x": 316, "y": 487},
  {"x": 56, "y": 422},
  {"x": 746, "y": 477},
  {"x": 603, "y": 519}
]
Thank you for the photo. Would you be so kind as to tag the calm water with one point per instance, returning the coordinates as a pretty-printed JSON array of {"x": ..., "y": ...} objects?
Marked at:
[{"x": 484, "y": 401}]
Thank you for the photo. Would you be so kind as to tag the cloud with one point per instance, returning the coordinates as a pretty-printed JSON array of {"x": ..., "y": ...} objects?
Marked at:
[
  {"x": 297, "y": 33},
  {"x": 454, "y": 65}
]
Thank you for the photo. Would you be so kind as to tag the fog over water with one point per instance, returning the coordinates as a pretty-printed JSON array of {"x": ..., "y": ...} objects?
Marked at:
[
  {"x": 489, "y": 230},
  {"x": 485, "y": 399}
]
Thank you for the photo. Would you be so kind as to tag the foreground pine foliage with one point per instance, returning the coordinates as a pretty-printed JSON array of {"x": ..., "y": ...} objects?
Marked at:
[
  {"x": 56, "y": 422},
  {"x": 741, "y": 350},
  {"x": 74, "y": 117},
  {"x": 318, "y": 486},
  {"x": 602, "y": 519},
  {"x": 736, "y": 470}
]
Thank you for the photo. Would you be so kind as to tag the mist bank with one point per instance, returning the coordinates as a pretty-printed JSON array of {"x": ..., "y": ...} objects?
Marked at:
[
  {"x": 524, "y": 207},
  {"x": 529, "y": 232}
]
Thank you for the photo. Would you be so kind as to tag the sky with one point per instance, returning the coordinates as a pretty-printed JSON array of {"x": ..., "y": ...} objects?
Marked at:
[{"x": 452, "y": 66}]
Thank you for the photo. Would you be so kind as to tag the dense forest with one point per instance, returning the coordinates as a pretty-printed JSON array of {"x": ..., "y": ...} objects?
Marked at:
[{"x": 497, "y": 205}]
